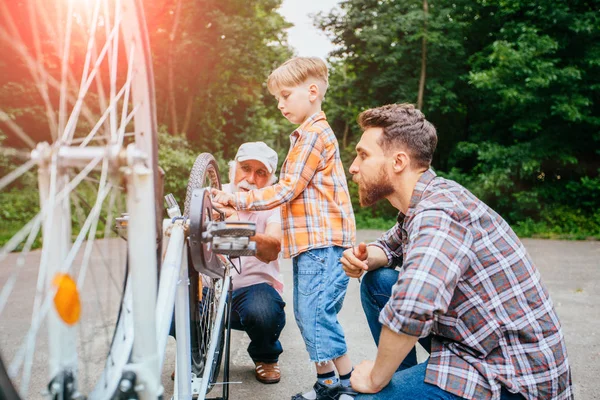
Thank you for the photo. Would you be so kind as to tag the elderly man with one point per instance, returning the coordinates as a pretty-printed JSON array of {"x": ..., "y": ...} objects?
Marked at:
[
  {"x": 258, "y": 308},
  {"x": 465, "y": 284}
]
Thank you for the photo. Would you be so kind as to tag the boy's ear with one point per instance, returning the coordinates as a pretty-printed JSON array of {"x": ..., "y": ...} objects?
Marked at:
[{"x": 313, "y": 92}]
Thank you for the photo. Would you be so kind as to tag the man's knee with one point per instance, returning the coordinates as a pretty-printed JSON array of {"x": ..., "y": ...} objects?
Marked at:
[
  {"x": 267, "y": 317},
  {"x": 264, "y": 311},
  {"x": 378, "y": 282}
]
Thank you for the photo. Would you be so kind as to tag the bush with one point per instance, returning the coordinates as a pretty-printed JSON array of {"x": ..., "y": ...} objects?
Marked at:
[
  {"x": 561, "y": 222},
  {"x": 176, "y": 158}
]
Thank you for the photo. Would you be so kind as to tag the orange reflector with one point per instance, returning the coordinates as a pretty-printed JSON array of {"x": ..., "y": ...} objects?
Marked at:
[
  {"x": 66, "y": 299},
  {"x": 200, "y": 287}
]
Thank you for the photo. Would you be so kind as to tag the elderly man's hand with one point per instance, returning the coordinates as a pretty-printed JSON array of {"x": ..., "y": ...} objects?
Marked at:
[
  {"x": 354, "y": 261},
  {"x": 361, "y": 378}
]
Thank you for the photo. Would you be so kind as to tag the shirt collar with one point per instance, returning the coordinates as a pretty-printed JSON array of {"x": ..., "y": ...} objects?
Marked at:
[
  {"x": 318, "y": 116},
  {"x": 417, "y": 193}
]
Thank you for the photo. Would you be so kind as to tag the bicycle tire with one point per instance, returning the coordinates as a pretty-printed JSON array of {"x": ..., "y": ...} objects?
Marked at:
[
  {"x": 134, "y": 39},
  {"x": 204, "y": 173}
]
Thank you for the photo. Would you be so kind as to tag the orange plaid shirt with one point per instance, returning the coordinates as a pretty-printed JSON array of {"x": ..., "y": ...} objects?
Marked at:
[{"x": 312, "y": 191}]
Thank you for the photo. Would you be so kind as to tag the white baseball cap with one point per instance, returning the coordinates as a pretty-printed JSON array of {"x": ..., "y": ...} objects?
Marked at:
[{"x": 258, "y": 151}]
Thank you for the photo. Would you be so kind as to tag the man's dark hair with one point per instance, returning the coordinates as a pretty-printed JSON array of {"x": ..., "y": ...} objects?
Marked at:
[{"x": 403, "y": 125}]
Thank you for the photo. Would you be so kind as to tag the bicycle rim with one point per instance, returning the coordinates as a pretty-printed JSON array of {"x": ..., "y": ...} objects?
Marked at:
[
  {"x": 203, "y": 314},
  {"x": 82, "y": 82}
]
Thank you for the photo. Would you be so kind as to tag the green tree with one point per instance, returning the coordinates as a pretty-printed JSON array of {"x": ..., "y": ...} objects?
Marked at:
[
  {"x": 211, "y": 61},
  {"x": 512, "y": 87}
]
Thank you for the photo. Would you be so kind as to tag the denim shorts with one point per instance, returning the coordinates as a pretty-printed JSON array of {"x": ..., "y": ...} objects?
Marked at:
[{"x": 319, "y": 289}]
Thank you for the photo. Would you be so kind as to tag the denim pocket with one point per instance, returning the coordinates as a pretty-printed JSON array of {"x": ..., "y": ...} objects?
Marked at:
[
  {"x": 315, "y": 255},
  {"x": 310, "y": 269}
]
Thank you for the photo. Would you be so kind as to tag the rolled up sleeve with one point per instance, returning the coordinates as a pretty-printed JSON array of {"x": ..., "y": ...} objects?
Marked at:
[
  {"x": 391, "y": 244},
  {"x": 438, "y": 253}
]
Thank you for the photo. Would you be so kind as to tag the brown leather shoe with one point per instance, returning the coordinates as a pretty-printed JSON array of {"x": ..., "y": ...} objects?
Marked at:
[{"x": 267, "y": 372}]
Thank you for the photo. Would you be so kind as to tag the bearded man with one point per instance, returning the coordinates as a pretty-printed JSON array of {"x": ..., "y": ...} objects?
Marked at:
[
  {"x": 451, "y": 274},
  {"x": 258, "y": 308}
]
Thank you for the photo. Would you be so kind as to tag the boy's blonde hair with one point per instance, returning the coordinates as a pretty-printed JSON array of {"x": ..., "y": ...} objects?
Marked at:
[{"x": 296, "y": 71}]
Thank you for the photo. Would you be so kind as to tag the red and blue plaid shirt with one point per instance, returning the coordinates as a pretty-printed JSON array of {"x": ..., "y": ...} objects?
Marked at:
[{"x": 467, "y": 280}]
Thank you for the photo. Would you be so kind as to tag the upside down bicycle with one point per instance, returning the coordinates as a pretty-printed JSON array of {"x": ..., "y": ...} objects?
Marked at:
[{"x": 88, "y": 315}]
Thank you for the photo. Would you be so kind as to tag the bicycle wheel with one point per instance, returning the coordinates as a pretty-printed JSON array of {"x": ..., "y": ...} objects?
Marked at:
[
  {"x": 76, "y": 88},
  {"x": 203, "y": 309}
]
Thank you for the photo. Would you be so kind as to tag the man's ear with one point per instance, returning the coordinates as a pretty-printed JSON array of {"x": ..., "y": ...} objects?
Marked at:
[
  {"x": 401, "y": 160},
  {"x": 313, "y": 92}
]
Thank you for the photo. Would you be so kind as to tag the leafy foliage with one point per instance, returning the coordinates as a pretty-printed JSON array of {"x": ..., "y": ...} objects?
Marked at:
[
  {"x": 217, "y": 55},
  {"x": 512, "y": 87}
]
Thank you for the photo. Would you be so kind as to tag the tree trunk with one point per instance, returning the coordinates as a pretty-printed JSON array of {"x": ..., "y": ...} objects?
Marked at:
[
  {"x": 171, "y": 72},
  {"x": 345, "y": 137},
  {"x": 423, "y": 57},
  {"x": 188, "y": 114}
]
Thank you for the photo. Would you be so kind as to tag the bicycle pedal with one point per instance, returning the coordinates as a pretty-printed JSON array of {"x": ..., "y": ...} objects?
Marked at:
[
  {"x": 233, "y": 229},
  {"x": 238, "y": 248}
]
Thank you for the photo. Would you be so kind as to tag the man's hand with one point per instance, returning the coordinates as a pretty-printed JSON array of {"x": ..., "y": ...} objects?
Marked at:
[
  {"x": 354, "y": 261},
  {"x": 361, "y": 378},
  {"x": 222, "y": 198}
]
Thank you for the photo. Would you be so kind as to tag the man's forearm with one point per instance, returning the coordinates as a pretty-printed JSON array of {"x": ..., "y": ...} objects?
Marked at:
[
  {"x": 267, "y": 247},
  {"x": 377, "y": 258},
  {"x": 393, "y": 348}
]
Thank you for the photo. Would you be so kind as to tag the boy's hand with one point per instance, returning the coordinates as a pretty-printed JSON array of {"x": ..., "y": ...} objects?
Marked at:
[
  {"x": 230, "y": 212},
  {"x": 354, "y": 261},
  {"x": 222, "y": 198}
]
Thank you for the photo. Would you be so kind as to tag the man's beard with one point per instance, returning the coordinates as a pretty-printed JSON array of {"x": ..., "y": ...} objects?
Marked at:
[
  {"x": 371, "y": 192},
  {"x": 243, "y": 185}
]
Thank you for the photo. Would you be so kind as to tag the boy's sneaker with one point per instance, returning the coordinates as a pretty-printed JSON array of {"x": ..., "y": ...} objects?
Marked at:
[
  {"x": 346, "y": 393},
  {"x": 323, "y": 392}
]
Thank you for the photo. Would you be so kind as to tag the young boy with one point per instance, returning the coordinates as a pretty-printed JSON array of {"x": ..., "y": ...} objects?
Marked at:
[{"x": 317, "y": 220}]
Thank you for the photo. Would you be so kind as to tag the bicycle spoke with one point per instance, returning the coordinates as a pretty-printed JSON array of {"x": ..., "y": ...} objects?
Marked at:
[
  {"x": 62, "y": 108},
  {"x": 43, "y": 87},
  {"x": 70, "y": 128},
  {"x": 16, "y": 129},
  {"x": 28, "y": 356},
  {"x": 19, "y": 236},
  {"x": 93, "y": 226},
  {"x": 124, "y": 118},
  {"x": 12, "y": 280},
  {"x": 107, "y": 113},
  {"x": 16, "y": 173},
  {"x": 42, "y": 80},
  {"x": 41, "y": 312},
  {"x": 92, "y": 217},
  {"x": 113, "y": 75},
  {"x": 35, "y": 67}
]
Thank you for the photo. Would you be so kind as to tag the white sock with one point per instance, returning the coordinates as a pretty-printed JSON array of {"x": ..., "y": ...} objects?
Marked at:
[
  {"x": 312, "y": 395},
  {"x": 345, "y": 397}
]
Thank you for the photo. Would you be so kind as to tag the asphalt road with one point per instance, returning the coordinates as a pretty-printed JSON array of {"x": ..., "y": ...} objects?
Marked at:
[{"x": 570, "y": 270}]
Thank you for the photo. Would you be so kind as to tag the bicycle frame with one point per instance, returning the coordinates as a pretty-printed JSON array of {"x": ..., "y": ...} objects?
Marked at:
[
  {"x": 174, "y": 278},
  {"x": 152, "y": 304},
  {"x": 142, "y": 272}
]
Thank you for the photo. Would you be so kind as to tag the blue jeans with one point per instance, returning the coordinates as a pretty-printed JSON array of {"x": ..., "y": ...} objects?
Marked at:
[
  {"x": 258, "y": 311},
  {"x": 375, "y": 291},
  {"x": 409, "y": 380},
  {"x": 319, "y": 289},
  {"x": 410, "y": 384}
]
